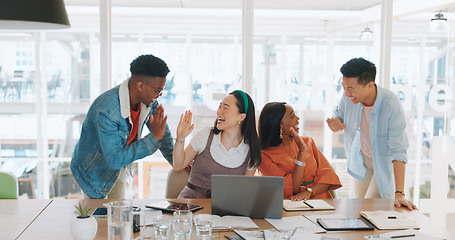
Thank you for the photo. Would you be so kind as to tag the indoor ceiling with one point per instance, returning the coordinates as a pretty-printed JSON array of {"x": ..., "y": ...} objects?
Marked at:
[
  {"x": 351, "y": 5},
  {"x": 301, "y": 17}
]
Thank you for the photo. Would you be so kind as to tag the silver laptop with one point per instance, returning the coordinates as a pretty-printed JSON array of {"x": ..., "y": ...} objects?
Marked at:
[{"x": 252, "y": 196}]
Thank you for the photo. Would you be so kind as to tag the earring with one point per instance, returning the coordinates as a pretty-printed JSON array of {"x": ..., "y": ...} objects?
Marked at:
[
  {"x": 281, "y": 134},
  {"x": 240, "y": 123}
]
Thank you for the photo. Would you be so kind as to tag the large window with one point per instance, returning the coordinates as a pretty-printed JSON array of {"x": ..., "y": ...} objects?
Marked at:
[{"x": 41, "y": 112}]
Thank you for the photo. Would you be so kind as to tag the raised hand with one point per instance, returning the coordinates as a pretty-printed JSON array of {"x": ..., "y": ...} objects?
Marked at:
[
  {"x": 185, "y": 126},
  {"x": 158, "y": 122},
  {"x": 335, "y": 124}
]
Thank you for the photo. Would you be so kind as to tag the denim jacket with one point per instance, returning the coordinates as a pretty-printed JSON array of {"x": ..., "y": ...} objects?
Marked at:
[
  {"x": 387, "y": 134},
  {"x": 102, "y": 147}
]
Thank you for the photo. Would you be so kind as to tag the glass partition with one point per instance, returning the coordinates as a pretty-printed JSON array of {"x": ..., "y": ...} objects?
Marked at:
[
  {"x": 67, "y": 67},
  {"x": 17, "y": 67}
]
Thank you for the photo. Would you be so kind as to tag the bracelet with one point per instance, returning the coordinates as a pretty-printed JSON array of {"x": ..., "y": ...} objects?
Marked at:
[
  {"x": 180, "y": 141},
  {"x": 300, "y": 163},
  {"x": 400, "y": 192}
]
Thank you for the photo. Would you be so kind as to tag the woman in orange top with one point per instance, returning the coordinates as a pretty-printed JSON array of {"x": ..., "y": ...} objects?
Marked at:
[{"x": 307, "y": 173}]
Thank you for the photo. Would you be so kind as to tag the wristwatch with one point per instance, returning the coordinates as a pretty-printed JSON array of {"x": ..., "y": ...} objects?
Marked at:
[{"x": 310, "y": 190}]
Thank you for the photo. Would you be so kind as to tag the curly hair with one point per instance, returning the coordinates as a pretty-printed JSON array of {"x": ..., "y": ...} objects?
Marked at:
[{"x": 149, "y": 65}]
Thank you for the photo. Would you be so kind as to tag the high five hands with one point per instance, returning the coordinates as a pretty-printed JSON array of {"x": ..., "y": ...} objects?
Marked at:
[
  {"x": 185, "y": 126},
  {"x": 158, "y": 122}
]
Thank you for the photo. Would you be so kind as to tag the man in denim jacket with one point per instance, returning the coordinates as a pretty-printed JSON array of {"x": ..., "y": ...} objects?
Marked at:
[
  {"x": 374, "y": 134},
  {"x": 110, "y": 137}
]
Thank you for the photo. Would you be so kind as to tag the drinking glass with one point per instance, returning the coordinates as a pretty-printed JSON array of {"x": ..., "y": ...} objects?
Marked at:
[
  {"x": 162, "y": 226},
  {"x": 182, "y": 225},
  {"x": 203, "y": 224},
  {"x": 149, "y": 216},
  {"x": 120, "y": 220}
]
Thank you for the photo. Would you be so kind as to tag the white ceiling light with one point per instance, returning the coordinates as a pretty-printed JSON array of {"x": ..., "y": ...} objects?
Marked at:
[
  {"x": 366, "y": 34},
  {"x": 439, "y": 23}
]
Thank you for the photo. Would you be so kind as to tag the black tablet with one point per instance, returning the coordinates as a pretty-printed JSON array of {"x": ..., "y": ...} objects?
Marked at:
[
  {"x": 172, "y": 206},
  {"x": 345, "y": 224}
]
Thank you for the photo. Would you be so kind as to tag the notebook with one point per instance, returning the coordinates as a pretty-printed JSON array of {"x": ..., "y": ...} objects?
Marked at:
[
  {"x": 227, "y": 223},
  {"x": 251, "y": 196},
  {"x": 389, "y": 219},
  {"x": 309, "y": 205}
]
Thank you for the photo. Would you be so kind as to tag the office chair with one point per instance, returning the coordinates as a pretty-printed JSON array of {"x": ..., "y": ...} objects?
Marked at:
[
  {"x": 8, "y": 186},
  {"x": 176, "y": 181}
]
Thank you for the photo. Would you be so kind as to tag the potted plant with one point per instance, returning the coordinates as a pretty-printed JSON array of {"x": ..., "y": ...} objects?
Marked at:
[{"x": 84, "y": 226}]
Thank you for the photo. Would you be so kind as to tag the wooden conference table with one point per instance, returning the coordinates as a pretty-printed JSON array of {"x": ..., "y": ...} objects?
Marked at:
[
  {"x": 50, "y": 219},
  {"x": 17, "y": 215}
]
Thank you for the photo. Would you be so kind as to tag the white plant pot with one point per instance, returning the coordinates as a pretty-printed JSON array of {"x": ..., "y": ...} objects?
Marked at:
[{"x": 84, "y": 228}]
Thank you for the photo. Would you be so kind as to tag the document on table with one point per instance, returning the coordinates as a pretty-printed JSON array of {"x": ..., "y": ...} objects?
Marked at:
[
  {"x": 409, "y": 234},
  {"x": 298, "y": 234},
  {"x": 250, "y": 235},
  {"x": 314, "y": 217},
  {"x": 296, "y": 222}
]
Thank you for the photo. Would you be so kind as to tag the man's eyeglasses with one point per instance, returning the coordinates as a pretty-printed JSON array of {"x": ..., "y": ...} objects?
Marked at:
[{"x": 157, "y": 90}]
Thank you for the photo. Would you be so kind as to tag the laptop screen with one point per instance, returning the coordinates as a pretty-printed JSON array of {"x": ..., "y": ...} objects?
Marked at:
[{"x": 252, "y": 196}]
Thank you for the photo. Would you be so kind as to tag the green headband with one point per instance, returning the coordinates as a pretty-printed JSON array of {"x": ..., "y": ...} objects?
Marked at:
[{"x": 245, "y": 99}]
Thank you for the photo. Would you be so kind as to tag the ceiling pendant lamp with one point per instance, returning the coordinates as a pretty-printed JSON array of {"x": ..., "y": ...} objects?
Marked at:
[
  {"x": 366, "y": 34},
  {"x": 33, "y": 14},
  {"x": 439, "y": 23}
]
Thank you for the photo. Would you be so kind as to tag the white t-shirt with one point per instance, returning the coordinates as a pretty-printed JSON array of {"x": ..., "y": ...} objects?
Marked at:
[{"x": 231, "y": 158}]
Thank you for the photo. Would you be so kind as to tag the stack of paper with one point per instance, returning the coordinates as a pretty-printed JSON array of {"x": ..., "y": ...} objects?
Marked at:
[
  {"x": 296, "y": 222},
  {"x": 298, "y": 234},
  {"x": 272, "y": 234},
  {"x": 409, "y": 234}
]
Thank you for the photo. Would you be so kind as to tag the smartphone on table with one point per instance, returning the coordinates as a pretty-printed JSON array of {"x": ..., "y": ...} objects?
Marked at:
[{"x": 100, "y": 212}]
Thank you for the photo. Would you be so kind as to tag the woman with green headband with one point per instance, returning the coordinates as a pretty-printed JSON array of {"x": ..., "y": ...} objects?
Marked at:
[{"x": 231, "y": 147}]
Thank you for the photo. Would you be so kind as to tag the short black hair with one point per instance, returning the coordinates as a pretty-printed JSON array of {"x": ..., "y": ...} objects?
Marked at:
[
  {"x": 149, "y": 65},
  {"x": 361, "y": 68}
]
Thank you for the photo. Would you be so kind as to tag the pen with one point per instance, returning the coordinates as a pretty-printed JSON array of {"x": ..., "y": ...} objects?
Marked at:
[
  {"x": 402, "y": 236},
  {"x": 309, "y": 205}
]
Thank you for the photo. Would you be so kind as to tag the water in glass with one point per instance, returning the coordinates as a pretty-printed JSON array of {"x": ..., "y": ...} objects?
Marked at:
[
  {"x": 182, "y": 225},
  {"x": 203, "y": 224},
  {"x": 120, "y": 231},
  {"x": 162, "y": 226}
]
